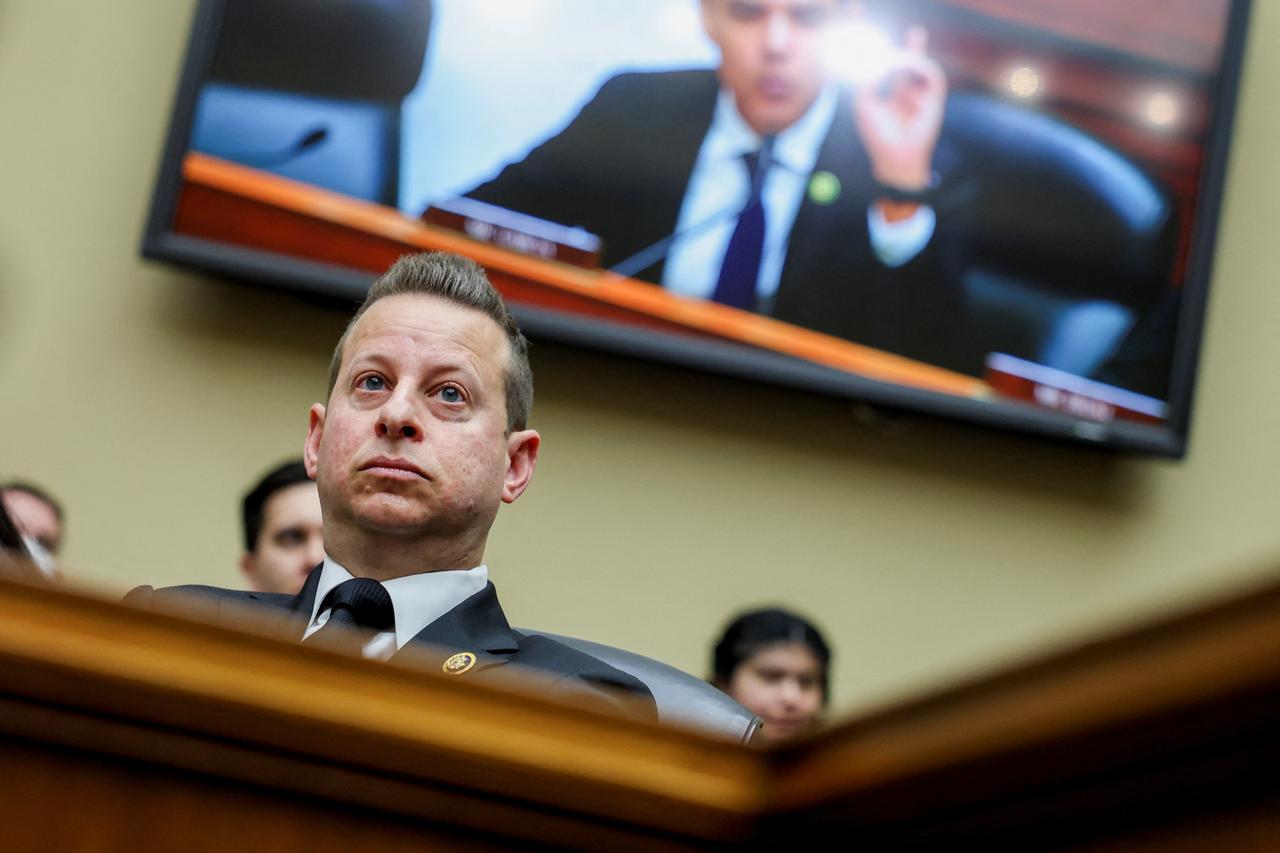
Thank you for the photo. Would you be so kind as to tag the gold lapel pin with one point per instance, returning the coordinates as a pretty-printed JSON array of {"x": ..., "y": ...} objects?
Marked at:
[{"x": 459, "y": 663}]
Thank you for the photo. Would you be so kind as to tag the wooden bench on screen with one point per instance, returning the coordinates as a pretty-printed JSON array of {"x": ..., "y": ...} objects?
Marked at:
[{"x": 227, "y": 202}]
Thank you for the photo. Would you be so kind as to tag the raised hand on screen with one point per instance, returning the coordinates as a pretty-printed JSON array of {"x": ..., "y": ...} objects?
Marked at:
[{"x": 899, "y": 115}]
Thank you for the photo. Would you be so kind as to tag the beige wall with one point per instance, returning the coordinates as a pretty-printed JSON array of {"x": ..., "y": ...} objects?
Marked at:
[{"x": 148, "y": 397}]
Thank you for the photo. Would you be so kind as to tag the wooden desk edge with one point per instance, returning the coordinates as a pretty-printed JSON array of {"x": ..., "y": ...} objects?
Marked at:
[
  {"x": 1190, "y": 678},
  {"x": 1195, "y": 658}
]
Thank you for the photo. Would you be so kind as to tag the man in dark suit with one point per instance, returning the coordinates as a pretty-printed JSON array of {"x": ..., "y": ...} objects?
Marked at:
[
  {"x": 282, "y": 529},
  {"x": 38, "y": 519},
  {"x": 423, "y": 436},
  {"x": 828, "y": 188}
]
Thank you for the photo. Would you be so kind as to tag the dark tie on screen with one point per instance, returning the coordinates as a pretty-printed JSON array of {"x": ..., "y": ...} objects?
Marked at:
[
  {"x": 358, "y": 609},
  {"x": 741, "y": 265}
]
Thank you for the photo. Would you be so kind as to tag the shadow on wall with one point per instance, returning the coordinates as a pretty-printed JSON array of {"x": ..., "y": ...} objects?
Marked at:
[
  {"x": 238, "y": 314},
  {"x": 825, "y": 427}
]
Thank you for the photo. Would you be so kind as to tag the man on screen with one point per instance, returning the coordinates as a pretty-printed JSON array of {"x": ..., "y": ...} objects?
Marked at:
[{"x": 767, "y": 184}]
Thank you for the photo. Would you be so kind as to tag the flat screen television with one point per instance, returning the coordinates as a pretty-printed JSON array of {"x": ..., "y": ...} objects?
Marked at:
[{"x": 1000, "y": 211}]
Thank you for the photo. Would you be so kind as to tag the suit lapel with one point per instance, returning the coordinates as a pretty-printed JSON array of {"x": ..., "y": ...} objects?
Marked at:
[
  {"x": 829, "y": 270},
  {"x": 294, "y": 610},
  {"x": 842, "y": 155},
  {"x": 476, "y": 626},
  {"x": 305, "y": 600}
]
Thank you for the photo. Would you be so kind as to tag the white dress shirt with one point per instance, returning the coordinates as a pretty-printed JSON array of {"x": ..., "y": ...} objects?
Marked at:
[
  {"x": 417, "y": 600},
  {"x": 718, "y": 189}
]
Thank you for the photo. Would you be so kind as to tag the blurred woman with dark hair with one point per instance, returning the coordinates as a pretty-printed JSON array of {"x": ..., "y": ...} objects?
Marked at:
[{"x": 776, "y": 664}]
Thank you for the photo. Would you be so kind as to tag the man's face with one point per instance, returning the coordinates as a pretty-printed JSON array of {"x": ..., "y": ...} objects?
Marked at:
[
  {"x": 290, "y": 543},
  {"x": 413, "y": 442},
  {"x": 35, "y": 518},
  {"x": 770, "y": 57}
]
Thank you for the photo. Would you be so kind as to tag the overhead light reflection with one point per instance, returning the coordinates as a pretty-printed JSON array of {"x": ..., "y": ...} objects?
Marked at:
[
  {"x": 1024, "y": 82},
  {"x": 1162, "y": 109}
]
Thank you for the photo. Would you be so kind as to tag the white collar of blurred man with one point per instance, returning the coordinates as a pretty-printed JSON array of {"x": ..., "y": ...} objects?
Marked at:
[
  {"x": 771, "y": 56},
  {"x": 38, "y": 519},
  {"x": 289, "y": 541}
]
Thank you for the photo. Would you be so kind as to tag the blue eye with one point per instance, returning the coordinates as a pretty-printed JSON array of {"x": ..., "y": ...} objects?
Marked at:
[
  {"x": 372, "y": 382},
  {"x": 450, "y": 394}
]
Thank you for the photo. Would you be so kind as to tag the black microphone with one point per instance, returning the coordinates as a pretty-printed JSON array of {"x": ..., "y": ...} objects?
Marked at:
[
  {"x": 271, "y": 158},
  {"x": 654, "y": 252}
]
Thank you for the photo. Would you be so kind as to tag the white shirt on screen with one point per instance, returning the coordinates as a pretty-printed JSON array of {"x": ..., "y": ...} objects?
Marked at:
[{"x": 719, "y": 185}]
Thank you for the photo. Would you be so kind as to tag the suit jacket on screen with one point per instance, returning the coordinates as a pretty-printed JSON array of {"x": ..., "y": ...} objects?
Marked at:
[
  {"x": 620, "y": 170},
  {"x": 477, "y": 625}
]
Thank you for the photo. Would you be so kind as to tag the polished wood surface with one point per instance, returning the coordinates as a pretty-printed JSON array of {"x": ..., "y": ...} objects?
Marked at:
[
  {"x": 1132, "y": 736},
  {"x": 141, "y": 731}
]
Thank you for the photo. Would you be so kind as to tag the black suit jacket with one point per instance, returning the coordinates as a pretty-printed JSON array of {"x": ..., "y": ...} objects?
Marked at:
[
  {"x": 620, "y": 170},
  {"x": 477, "y": 625}
]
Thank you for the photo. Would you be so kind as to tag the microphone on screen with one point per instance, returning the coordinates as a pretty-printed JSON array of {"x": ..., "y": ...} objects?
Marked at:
[
  {"x": 275, "y": 157},
  {"x": 658, "y": 251}
]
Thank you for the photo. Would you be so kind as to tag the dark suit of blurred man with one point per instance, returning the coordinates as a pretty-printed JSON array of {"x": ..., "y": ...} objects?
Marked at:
[{"x": 848, "y": 246}]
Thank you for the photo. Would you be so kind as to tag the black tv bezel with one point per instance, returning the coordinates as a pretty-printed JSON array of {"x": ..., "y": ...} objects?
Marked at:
[{"x": 302, "y": 276}]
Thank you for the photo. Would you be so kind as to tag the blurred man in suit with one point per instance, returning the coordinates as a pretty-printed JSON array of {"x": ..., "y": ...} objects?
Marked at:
[
  {"x": 767, "y": 184},
  {"x": 422, "y": 438},
  {"x": 39, "y": 519},
  {"x": 283, "y": 533},
  {"x": 35, "y": 512}
]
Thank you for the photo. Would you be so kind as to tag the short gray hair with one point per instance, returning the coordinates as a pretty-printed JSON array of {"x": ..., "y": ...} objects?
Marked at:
[{"x": 463, "y": 282}]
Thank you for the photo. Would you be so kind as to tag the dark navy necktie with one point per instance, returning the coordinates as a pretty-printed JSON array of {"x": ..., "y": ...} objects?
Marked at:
[
  {"x": 740, "y": 268},
  {"x": 358, "y": 608}
]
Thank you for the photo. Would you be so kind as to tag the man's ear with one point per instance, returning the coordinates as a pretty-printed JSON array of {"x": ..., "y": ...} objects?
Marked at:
[
  {"x": 707, "y": 15},
  {"x": 311, "y": 450},
  {"x": 247, "y": 567},
  {"x": 522, "y": 456}
]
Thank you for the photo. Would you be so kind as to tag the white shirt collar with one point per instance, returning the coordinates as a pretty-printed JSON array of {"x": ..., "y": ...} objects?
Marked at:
[
  {"x": 417, "y": 600},
  {"x": 795, "y": 148}
]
